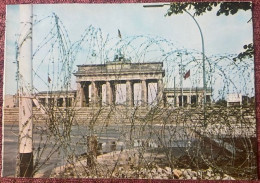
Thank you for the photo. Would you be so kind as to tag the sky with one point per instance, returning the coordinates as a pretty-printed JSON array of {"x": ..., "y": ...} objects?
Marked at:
[{"x": 222, "y": 34}]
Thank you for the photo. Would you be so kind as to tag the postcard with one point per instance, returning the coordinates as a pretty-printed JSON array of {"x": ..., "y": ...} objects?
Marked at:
[{"x": 133, "y": 91}]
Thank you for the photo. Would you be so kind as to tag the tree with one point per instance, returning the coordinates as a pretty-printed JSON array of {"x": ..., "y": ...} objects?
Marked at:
[
  {"x": 221, "y": 102},
  {"x": 225, "y": 8}
]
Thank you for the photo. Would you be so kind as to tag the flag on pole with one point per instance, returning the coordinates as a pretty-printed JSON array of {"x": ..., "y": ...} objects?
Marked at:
[
  {"x": 49, "y": 79},
  {"x": 187, "y": 74},
  {"x": 119, "y": 34}
]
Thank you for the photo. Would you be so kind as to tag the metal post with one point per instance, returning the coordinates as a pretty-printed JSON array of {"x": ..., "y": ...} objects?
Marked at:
[
  {"x": 17, "y": 74},
  {"x": 181, "y": 75},
  {"x": 25, "y": 93},
  {"x": 174, "y": 93}
]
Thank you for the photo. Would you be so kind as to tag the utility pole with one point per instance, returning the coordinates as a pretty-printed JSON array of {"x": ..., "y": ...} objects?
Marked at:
[
  {"x": 25, "y": 92},
  {"x": 181, "y": 78}
]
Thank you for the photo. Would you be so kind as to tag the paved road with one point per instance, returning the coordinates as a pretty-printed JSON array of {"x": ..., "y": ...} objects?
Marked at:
[
  {"x": 78, "y": 146},
  {"x": 10, "y": 148}
]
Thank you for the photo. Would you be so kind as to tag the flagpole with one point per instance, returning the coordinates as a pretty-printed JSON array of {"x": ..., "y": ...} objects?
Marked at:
[
  {"x": 181, "y": 79},
  {"x": 190, "y": 96},
  {"x": 120, "y": 54}
]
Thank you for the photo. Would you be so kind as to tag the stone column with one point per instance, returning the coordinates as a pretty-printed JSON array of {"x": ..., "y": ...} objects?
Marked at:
[
  {"x": 160, "y": 91},
  {"x": 47, "y": 101},
  {"x": 177, "y": 100},
  {"x": 109, "y": 93},
  {"x": 144, "y": 93},
  {"x": 94, "y": 93},
  {"x": 55, "y": 101},
  {"x": 129, "y": 93},
  {"x": 99, "y": 94},
  {"x": 79, "y": 97},
  {"x": 72, "y": 102},
  {"x": 200, "y": 99},
  {"x": 188, "y": 99},
  {"x": 64, "y": 102}
]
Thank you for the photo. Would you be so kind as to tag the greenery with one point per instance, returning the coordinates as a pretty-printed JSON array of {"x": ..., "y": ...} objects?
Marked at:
[
  {"x": 221, "y": 102},
  {"x": 224, "y": 8}
]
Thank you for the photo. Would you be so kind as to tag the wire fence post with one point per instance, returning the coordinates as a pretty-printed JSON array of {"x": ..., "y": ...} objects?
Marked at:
[{"x": 25, "y": 93}]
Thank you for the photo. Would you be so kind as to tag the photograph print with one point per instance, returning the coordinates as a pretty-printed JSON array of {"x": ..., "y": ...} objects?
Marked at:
[{"x": 132, "y": 91}]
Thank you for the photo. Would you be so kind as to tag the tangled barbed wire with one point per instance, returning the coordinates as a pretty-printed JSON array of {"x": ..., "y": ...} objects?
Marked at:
[{"x": 118, "y": 141}]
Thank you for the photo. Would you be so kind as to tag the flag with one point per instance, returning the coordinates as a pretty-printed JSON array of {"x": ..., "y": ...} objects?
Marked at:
[
  {"x": 49, "y": 79},
  {"x": 119, "y": 34},
  {"x": 187, "y": 74}
]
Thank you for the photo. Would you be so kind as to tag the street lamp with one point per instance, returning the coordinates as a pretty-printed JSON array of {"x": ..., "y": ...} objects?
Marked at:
[{"x": 202, "y": 43}]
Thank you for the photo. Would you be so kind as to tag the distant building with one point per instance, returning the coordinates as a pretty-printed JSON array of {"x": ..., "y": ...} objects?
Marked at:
[
  {"x": 191, "y": 96},
  {"x": 236, "y": 99},
  {"x": 57, "y": 98},
  {"x": 121, "y": 82},
  {"x": 10, "y": 101}
]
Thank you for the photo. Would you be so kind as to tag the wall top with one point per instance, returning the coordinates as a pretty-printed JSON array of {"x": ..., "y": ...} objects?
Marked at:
[{"x": 120, "y": 68}]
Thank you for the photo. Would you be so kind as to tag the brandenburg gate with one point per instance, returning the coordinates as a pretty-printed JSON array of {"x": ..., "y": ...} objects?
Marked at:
[
  {"x": 121, "y": 82},
  {"x": 97, "y": 83}
]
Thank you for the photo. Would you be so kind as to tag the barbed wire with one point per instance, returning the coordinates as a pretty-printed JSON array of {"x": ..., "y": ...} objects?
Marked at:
[{"x": 142, "y": 141}]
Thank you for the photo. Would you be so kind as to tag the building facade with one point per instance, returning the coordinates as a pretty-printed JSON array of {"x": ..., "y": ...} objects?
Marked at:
[
  {"x": 97, "y": 85},
  {"x": 187, "y": 96},
  {"x": 57, "y": 98},
  {"x": 121, "y": 82}
]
